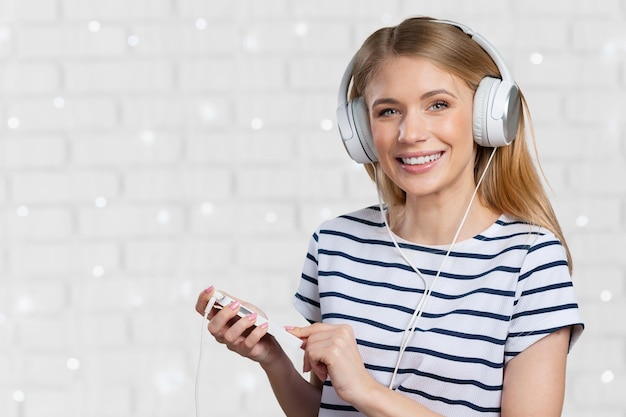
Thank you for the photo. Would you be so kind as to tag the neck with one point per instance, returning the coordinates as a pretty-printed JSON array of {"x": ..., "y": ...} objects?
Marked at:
[{"x": 437, "y": 222}]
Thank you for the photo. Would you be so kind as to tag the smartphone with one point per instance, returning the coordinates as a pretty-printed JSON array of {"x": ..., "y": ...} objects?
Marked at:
[{"x": 282, "y": 335}]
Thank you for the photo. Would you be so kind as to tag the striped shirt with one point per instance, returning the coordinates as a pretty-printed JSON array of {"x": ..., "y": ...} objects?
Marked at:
[{"x": 497, "y": 294}]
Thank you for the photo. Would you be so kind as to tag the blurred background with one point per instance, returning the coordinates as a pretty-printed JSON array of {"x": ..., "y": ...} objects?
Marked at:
[{"x": 151, "y": 148}]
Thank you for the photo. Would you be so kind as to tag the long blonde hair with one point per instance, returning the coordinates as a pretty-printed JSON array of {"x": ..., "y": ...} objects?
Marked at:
[{"x": 512, "y": 185}]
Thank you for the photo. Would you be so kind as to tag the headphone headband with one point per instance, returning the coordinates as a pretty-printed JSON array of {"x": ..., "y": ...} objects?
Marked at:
[{"x": 487, "y": 46}]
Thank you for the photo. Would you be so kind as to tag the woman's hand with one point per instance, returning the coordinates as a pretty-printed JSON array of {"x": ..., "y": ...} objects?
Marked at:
[
  {"x": 239, "y": 334},
  {"x": 331, "y": 350}
]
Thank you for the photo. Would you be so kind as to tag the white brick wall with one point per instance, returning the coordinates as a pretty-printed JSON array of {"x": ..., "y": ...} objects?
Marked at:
[{"x": 150, "y": 148}]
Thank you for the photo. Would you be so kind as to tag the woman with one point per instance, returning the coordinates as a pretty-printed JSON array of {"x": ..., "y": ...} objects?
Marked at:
[{"x": 454, "y": 297}]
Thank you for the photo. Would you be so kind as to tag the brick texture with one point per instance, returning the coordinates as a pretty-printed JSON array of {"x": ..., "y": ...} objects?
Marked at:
[{"x": 151, "y": 148}]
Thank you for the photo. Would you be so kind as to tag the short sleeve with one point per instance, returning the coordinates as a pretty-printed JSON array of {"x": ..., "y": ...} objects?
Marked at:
[
  {"x": 545, "y": 301},
  {"x": 306, "y": 299}
]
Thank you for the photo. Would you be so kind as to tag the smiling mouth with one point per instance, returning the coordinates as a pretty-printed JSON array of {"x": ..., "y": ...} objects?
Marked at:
[{"x": 421, "y": 160}]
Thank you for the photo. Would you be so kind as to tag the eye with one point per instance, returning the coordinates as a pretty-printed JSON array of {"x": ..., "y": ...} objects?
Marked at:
[
  {"x": 386, "y": 112},
  {"x": 439, "y": 105}
]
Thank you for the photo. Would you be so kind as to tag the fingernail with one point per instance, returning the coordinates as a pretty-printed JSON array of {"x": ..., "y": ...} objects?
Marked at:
[
  {"x": 289, "y": 327},
  {"x": 264, "y": 325},
  {"x": 209, "y": 290},
  {"x": 252, "y": 317},
  {"x": 234, "y": 305}
]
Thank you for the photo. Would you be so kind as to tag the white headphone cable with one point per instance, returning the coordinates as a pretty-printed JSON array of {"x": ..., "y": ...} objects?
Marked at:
[
  {"x": 417, "y": 314},
  {"x": 205, "y": 320}
]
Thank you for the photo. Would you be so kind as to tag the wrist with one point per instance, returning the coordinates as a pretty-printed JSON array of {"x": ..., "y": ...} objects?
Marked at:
[
  {"x": 274, "y": 358},
  {"x": 367, "y": 396}
]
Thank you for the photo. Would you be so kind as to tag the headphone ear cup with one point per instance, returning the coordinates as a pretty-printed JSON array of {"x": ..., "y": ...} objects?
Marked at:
[
  {"x": 363, "y": 129},
  {"x": 354, "y": 127},
  {"x": 496, "y": 115},
  {"x": 482, "y": 105}
]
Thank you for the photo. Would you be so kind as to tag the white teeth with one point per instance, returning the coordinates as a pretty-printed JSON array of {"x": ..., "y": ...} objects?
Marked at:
[{"x": 420, "y": 160}]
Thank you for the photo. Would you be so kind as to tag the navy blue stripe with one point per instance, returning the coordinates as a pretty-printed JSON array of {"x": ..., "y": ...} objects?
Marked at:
[
  {"x": 435, "y": 294},
  {"x": 357, "y": 239},
  {"x": 467, "y": 312},
  {"x": 489, "y": 291},
  {"x": 548, "y": 288},
  {"x": 419, "y": 248},
  {"x": 465, "y": 255},
  {"x": 514, "y": 222},
  {"x": 436, "y": 377},
  {"x": 542, "y": 268},
  {"x": 464, "y": 312},
  {"x": 469, "y": 336},
  {"x": 483, "y": 238},
  {"x": 343, "y": 296},
  {"x": 544, "y": 245},
  {"x": 369, "y": 283},
  {"x": 486, "y": 257},
  {"x": 309, "y": 279},
  {"x": 546, "y": 310},
  {"x": 307, "y": 300},
  {"x": 383, "y": 326},
  {"x": 379, "y": 325},
  {"x": 396, "y": 307},
  {"x": 312, "y": 258},
  {"x": 500, "y": 268},
  {"x": 356, "y": 319},
  {"x": 405, "y": 267},
  {"x": 372, "y": 262},
  {"x": 449, "y": 401},
  {"x": 338, "y": 407},
  {"x": 434, "y": 353},
  {"x": 363, "y": 221}
]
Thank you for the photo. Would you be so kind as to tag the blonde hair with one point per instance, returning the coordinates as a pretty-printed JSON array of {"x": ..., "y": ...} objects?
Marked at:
[{"x": 512, "y": 185}]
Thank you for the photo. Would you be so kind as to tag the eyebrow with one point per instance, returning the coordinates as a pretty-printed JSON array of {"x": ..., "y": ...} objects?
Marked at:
[
  {"x": 426, "y": 95},
  {"x": 436, "y": 92}
]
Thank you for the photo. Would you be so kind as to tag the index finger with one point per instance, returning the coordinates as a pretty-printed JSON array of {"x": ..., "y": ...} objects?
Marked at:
[{"x": 305, "y": 332}]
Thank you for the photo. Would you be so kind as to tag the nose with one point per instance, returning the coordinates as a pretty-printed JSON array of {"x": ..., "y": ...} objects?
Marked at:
[{"x": 412, "y": 128}]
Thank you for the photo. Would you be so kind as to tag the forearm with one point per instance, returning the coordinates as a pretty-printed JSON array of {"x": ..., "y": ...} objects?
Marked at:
[{"x": 296, "y": 396}]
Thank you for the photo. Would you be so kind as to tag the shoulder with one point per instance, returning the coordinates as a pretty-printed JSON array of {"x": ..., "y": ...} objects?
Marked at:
[
  {"x": 362, "y": 219},
  {"x": 542, "y": 255},
  {"x": 515, "y": 231},
  {"x": 351, "y": 232},
  {"x": 520, "y": 245}
]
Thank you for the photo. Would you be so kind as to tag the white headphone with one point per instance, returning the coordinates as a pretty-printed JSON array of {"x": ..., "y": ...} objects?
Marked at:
[{"x": 496, "y": 116}]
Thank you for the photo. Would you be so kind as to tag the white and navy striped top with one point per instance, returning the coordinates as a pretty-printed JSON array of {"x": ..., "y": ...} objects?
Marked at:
[{"x": 498, "y": 293}]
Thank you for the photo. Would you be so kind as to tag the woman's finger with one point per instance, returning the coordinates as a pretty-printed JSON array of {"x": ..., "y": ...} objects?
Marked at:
[
  {"x": 223, "y": 319},
  {"x": 240, "y": 328},
  {"x": 256, "y": 335},
  {"x": 203, "y": 299}
]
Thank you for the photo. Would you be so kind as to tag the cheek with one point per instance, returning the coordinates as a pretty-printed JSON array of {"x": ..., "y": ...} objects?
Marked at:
[
  {"x": 382, "y": 135},
  {"x": 462, "y": 129}
]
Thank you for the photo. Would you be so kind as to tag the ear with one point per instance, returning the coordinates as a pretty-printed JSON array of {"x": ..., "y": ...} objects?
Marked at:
[
  {"x": 354, "y": 127},
  {"x": 496, "y": 115}
]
